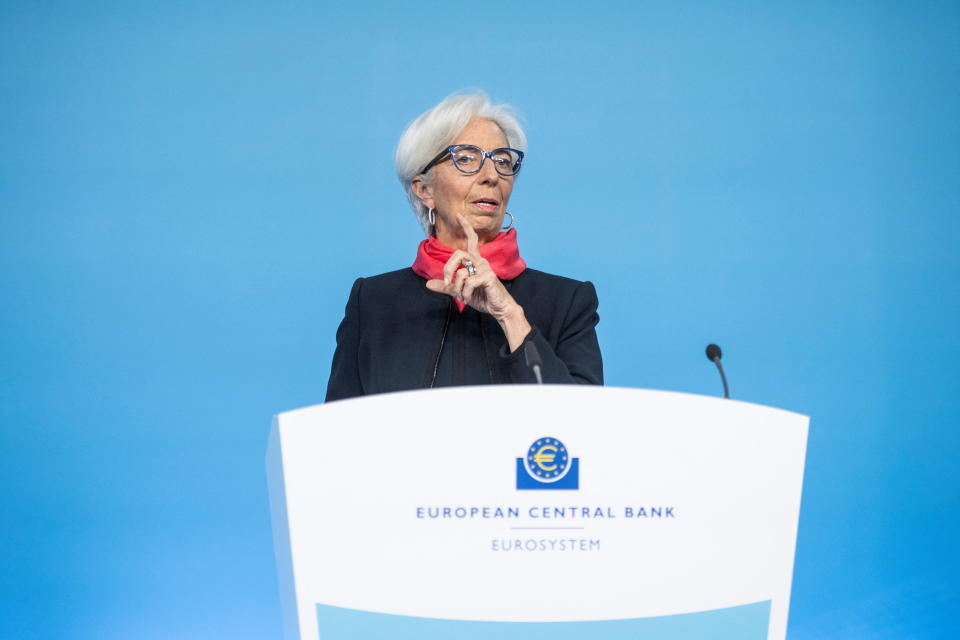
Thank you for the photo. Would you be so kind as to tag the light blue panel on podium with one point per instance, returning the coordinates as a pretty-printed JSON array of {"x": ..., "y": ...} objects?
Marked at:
[{"x": 747, "y": 622}]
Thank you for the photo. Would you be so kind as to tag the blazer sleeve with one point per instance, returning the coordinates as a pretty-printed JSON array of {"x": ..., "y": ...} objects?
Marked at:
[
  {"x": 345, "y": 372},
  {"x": 576, "y": 357}
]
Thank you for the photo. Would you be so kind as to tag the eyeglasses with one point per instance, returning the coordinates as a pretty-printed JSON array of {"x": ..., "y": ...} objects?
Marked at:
[{"x": 468, "y": 159}]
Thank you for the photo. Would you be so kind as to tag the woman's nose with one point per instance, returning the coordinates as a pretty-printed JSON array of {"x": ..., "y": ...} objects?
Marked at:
[{"x": 488, "y": 174}]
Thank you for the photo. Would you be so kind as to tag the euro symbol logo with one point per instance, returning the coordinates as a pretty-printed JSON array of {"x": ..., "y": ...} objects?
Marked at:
[
  {"x": 547, "y": 465},
  {"x": 544, "y": 459}
]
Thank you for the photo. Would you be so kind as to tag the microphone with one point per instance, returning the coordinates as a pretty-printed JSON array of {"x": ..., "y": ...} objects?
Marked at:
[
  {"x": 713, "y": 355},
  {"x": 532, "y": 356}
]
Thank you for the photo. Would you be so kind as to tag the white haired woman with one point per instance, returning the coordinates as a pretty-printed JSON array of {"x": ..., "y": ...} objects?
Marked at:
[{"x": 465, "y": 311}]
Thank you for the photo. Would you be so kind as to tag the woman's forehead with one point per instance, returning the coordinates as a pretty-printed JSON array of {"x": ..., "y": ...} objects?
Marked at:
[{"x": 483, "y": 133}]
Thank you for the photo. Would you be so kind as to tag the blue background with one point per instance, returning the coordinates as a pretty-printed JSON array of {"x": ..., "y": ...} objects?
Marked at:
[{"x": 187, "y": 193}]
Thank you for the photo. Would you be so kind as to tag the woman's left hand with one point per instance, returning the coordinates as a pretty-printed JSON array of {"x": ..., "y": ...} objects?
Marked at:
[{"x": 482, "y": 290}]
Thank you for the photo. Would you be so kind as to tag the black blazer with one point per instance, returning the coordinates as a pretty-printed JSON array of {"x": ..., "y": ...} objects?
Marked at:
[{"x": 394, "y": 328}]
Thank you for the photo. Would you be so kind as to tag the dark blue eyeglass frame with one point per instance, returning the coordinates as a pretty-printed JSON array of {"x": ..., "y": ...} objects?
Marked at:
[{"x": 449, "y": 150}]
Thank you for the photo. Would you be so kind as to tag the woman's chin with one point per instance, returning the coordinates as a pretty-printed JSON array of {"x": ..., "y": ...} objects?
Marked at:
[
  {"x": 487, "y": 231},
  {"x": 485, "y": 222}
]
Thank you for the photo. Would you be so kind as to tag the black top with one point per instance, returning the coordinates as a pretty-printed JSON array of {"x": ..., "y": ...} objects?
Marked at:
[
  {"x": 462, "y": 358},
  {"x": 398, "y": 335}
]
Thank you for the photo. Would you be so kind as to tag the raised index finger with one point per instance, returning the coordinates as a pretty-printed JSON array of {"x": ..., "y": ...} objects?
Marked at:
[{"x": 473, "y": 242}]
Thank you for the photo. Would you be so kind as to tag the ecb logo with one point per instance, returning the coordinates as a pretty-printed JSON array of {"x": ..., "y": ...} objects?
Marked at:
[{"x": 548, "y": 465}]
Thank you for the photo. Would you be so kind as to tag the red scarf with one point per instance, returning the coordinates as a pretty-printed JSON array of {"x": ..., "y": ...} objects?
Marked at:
[{"x": 502, "y": 253}]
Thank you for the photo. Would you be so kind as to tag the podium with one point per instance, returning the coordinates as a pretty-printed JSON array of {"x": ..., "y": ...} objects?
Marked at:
[{"x": 520, "y": 511}]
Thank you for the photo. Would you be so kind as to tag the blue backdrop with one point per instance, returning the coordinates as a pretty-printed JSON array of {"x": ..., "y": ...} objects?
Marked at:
[{"x": 187, "y": 193}]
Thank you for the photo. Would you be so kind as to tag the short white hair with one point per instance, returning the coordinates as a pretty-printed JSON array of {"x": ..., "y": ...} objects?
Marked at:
[{"x": 437, "y": 128}]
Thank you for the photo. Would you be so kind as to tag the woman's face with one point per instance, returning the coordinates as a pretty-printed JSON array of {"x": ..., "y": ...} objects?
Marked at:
[{"x": 480, "y": 197}]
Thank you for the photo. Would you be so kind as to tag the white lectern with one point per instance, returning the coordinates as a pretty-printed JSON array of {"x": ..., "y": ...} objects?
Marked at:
[{"x": 516, "y": 511}]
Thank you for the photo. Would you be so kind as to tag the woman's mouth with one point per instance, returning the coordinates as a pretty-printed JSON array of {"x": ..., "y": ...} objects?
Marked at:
[{"x": 486, "y": 204}]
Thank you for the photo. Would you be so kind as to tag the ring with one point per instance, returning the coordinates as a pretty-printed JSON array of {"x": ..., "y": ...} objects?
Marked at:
[{"x": 471, "y": 270}]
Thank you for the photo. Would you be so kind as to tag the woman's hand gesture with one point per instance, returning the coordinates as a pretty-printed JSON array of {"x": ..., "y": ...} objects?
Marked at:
[{"x": 481, "y": 289}]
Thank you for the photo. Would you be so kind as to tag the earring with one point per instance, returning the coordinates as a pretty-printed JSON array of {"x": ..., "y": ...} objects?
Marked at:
[
  {"x": 512, "y": 220},
  {"x": 431, "y": 218}
]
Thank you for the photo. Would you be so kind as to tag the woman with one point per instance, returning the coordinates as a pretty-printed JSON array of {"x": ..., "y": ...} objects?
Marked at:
[{"x": 463, "y": 313}]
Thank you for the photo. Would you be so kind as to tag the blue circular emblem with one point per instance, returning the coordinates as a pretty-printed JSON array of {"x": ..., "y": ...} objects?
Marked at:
[{"x": 547, "y": 459}]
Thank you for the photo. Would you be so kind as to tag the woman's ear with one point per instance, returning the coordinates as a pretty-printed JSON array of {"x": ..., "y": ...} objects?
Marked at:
[{"x": 423, "y": 191}]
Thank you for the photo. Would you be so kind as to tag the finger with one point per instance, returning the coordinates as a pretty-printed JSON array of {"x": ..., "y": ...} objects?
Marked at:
[
  {"x": 479, "y": 287},
  {"x": 470, "y": 292},
  {"x": 438, "y": 285},
  {"x": 454, "y": 263},
  {"x": 473, "y": 242},
  {"x": 462, "y": 276}
]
